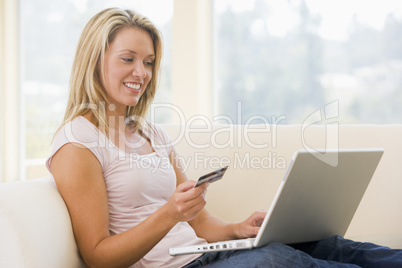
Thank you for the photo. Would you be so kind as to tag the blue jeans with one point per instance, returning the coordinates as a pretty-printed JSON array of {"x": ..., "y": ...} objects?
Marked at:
[{"x": 334, "y": 251}]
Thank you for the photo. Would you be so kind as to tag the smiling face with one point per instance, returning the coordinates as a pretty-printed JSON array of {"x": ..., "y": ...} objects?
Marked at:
[{"x": 129, "y": 60}]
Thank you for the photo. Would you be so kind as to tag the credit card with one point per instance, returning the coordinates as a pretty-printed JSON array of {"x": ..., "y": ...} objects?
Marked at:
[{"x": 211, "y": 177}]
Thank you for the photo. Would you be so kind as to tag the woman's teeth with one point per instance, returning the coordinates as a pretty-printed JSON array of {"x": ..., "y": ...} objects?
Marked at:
[{"x": 133, "y": 86}]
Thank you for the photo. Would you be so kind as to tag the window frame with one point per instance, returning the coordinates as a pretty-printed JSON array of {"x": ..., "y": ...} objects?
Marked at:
[{"x": 10, "y": 119}]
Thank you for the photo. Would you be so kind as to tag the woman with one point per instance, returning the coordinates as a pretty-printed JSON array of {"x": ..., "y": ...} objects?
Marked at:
[{"x": 127, "y": 195}]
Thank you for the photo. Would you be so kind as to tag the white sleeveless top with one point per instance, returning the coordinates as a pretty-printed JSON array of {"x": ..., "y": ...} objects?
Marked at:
[{"x": 137, "y": 185}]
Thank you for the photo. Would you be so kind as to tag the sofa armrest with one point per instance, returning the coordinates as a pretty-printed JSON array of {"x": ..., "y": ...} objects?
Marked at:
[{"x": 35, "y": 227}]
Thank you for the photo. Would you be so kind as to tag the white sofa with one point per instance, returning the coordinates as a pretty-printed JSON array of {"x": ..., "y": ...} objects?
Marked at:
[{"x": 35, "y": 228}]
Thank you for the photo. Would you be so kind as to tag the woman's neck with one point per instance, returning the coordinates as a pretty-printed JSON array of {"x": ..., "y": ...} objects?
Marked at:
[{"x": 115, "y": 117}]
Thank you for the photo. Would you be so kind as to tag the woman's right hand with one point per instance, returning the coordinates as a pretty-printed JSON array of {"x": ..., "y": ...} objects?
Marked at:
[{"x": 186, "y": 202}]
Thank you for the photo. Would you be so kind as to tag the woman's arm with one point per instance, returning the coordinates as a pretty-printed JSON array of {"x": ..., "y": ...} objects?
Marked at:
[
  {"x": 78, "y": 175},
  {"x": 211, "y": 228}
]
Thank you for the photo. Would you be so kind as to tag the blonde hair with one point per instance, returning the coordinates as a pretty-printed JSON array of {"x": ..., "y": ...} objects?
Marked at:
[{"x": 87, "y": 92}]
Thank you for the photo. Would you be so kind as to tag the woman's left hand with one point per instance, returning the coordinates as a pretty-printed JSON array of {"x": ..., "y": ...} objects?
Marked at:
[{"x": 250, "y": 227}]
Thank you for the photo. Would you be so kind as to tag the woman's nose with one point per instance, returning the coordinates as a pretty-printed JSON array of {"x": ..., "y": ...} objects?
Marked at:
[{"x": 139, "y": 70}]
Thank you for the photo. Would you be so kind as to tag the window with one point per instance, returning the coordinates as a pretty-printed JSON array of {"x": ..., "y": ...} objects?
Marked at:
[
  {"x": 49, "y": 34},
  {"x": 233, "y": 58},
  {"x": 290, "y": 58}
]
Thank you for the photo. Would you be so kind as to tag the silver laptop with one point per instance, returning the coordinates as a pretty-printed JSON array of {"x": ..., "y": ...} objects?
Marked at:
[{"x": 314, "y": 200}]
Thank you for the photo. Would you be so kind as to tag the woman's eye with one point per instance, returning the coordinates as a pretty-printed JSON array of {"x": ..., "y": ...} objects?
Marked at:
[
  {"x": 127, "y": 59},
  {"x": 149, "y": 63}
]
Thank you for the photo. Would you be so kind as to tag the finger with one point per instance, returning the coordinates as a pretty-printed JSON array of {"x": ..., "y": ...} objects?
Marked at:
[
  {"x": 196, "y": 192},
  {"x": 204, "y": 195},
  {"x": 185, "y": 186},
  {"x": 193, "y": 208},
  {"x": 196, "y": 199},
  {"x": 188, "y": 185},
  {"x": 199, "y": 199},
  {"x": 259, "y": 215},
  {"x": 190, "y": 196},
  {"x": 254, "y": 231},
  {"x": 202, "y": 188},
  {"x": 197, "y": 207}
]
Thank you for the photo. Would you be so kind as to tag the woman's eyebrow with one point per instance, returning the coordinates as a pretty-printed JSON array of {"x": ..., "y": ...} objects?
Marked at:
[
  {"x": 127, "y": 50},
  {"x": 133, "y": 52}
]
